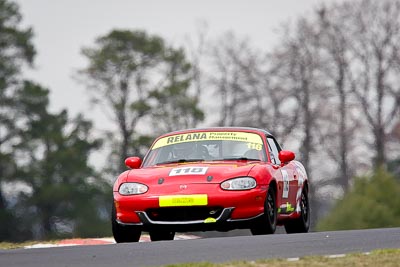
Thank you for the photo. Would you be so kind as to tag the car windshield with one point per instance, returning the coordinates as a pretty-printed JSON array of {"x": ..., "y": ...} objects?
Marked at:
[{"x": 206, "y": 146}]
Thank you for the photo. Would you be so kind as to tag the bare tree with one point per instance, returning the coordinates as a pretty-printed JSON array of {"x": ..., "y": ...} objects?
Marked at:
[
  {"x": 234, "y": 77},
  {"x": 334, "y": 51},
  {"x": 375, "y": 67},
  {"x": 298, "y": 71},
  {"x": 196, "y": 50}
]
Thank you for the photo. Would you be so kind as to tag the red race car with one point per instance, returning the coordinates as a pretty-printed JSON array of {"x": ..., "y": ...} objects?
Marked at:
[{"x": 211, "y": 179}]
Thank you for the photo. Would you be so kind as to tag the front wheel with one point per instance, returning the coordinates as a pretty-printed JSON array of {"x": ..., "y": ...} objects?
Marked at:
[
  {"x": 124, "y": 233},
  {"x": 267, "y": 223},
  {"x": 301, "y": 224}
]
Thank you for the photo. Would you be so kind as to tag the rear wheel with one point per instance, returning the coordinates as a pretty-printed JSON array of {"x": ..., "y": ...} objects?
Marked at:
[
  {"x": 161, "y": 235},
  {"x": 301, "y": 224},
  {"x": 124, "y": 233},
  {"x": 267, "y": 223}
]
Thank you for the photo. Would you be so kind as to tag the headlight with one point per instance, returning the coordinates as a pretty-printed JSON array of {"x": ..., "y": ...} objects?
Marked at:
[
  {"x": 241, "y": 183},
  {"x": 132, "y": 189}
]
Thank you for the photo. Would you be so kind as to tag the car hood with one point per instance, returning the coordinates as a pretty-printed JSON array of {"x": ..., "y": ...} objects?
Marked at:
[{"x": 194, "y": 172}]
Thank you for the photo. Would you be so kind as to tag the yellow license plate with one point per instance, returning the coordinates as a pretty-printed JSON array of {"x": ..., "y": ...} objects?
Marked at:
[{"x": 183, "y": 200}]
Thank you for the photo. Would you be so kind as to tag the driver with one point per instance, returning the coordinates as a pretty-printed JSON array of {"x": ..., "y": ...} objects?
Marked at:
[
  {"x": 184, "y": 150},
  {"x": 190, "y": 150}
]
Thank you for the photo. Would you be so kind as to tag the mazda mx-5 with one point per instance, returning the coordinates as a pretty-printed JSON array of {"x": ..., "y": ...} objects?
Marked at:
[{"x": 211, "y": 179}]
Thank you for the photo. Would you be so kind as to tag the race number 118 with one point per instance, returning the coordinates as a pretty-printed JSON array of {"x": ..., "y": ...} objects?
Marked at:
[{"x": 188, "y": 171}]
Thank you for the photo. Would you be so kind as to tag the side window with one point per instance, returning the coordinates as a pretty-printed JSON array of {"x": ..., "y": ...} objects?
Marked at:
[{"x": 273, "y": 150}]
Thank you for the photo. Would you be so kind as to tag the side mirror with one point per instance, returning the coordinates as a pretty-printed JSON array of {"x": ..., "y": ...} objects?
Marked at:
[
  {"x": 285, "y": 156},
  {"x": 133, "y": 162}
]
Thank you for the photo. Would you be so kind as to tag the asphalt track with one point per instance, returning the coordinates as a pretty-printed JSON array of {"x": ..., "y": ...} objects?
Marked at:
[{"x": 208, "y": 249}]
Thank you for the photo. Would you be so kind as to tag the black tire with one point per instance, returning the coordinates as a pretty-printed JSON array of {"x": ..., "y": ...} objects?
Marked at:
[
  {"x": 124, "y": 233},
  {"x": 301, "y": 224},
  {"x": 161, "y": 235},
  {"x": 266, "y": 224}
]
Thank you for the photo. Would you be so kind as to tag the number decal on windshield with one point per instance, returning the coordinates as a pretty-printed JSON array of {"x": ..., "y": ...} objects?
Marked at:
[{"x": 254, "y": 146}]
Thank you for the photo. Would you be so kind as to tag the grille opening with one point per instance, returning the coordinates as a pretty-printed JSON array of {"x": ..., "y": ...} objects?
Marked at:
[{"x": 171, "y": 214}]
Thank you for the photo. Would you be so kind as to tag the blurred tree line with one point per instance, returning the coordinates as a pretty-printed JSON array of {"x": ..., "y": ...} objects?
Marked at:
[
  {"x": 328, "y": 89},
  {"x": 371, "y": 203}
]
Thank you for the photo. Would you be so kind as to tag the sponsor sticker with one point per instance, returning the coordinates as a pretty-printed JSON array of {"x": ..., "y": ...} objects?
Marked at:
[
  {"x": 251, "y": 138},
  {"x": 183, "y": 200},
  {"x": 285, "y": 177},
  {"x": 286, "y": 208},
  {"x": 210, "y": 220}
]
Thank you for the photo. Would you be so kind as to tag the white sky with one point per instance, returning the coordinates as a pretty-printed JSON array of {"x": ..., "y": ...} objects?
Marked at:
[{"x": 63, "y": 27}]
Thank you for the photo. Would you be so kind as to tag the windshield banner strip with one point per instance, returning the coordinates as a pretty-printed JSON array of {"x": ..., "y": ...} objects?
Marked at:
[{"x": 203, "y": 136}]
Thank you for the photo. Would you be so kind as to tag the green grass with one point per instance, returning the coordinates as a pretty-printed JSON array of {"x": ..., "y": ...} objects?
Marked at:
[{"x": 381, "y": 258}]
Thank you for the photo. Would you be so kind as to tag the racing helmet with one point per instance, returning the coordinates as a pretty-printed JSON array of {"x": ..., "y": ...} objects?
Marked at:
[{"x": 183, "y": 150}]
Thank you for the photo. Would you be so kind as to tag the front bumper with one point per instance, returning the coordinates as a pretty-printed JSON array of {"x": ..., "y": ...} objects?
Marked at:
[
  {"x": 225, "y": 211},
  {"x": 221, "y": 223}
]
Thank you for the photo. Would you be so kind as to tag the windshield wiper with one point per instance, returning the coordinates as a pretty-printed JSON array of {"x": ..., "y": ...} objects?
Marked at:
[
  {"x": 240, "y": 158},
  {"x": 179, "y": 161}
]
